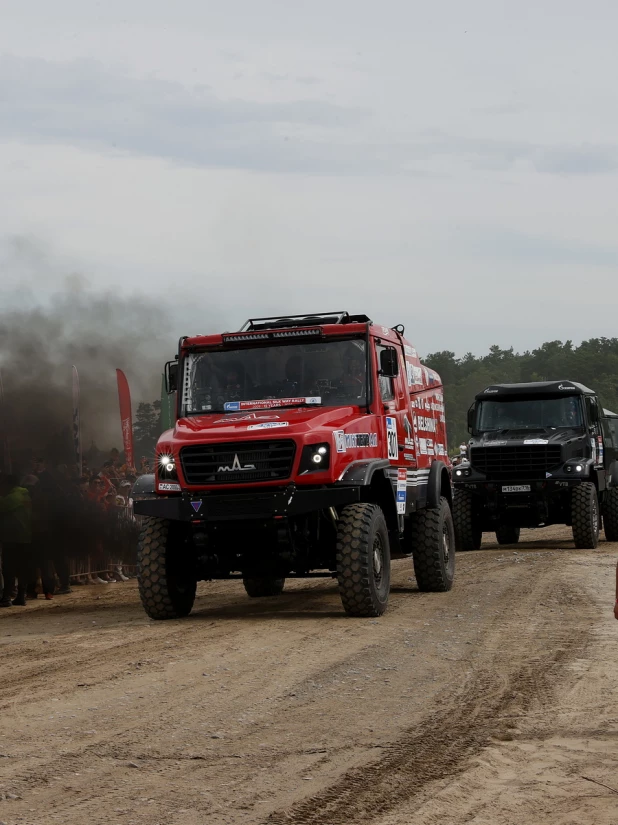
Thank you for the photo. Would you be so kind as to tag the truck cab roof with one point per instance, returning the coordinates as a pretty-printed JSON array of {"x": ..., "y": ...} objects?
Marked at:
[{"x": 535, "y": 388}]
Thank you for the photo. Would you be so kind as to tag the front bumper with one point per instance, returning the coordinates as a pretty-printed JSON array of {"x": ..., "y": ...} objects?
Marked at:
[{"x": 256, "y": 505}]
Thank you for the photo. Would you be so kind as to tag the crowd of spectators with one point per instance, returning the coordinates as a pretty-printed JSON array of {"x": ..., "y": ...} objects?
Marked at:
[{"x": 60, "y": 527}]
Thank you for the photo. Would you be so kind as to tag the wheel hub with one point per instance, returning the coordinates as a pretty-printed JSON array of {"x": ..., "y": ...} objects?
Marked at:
[{"x": 378, "y": 559}]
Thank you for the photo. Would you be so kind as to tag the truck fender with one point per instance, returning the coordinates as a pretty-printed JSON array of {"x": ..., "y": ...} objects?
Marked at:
[
  {"x": 359, "y": 473},
  {"x": 144, "y": 485},
  {"x": 438, "y": 485}
]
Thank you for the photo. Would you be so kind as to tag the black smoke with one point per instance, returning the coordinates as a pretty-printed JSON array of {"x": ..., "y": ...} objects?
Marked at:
[{"x": 51, "y": 318}]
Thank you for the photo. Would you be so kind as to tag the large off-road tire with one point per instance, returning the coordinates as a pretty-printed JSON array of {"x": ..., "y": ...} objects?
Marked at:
[
  {"x": 432, "y": 540},
  {"x": 166, "y": 570},
  {"x": 610, "y": 514},
  {"x": 506, "y": 534},
  {"x": 263, "y": 586},
  {"x": 363, "y": 560},
  {"x": 468, "y": 533},
  {"x": 585, "y": 516}
]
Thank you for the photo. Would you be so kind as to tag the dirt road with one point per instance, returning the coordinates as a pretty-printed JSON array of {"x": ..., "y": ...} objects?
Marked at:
[{"x": 495, "y": 703}]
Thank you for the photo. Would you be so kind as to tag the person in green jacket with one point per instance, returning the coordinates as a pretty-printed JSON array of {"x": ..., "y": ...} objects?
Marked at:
[{"x": 16, "y": 538}]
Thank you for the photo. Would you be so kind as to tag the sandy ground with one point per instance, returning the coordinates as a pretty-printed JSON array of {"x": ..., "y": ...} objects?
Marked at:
[{"x": 496, "y": 703}]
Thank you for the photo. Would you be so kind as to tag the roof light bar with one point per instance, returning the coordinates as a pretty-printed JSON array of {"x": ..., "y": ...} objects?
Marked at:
[{"x": 241, "y": 337}]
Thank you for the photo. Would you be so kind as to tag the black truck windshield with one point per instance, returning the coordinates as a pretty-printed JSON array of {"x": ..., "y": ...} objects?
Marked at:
[
  {"x": 529, "y": 413},
  {"x": 327, "y": 373}
]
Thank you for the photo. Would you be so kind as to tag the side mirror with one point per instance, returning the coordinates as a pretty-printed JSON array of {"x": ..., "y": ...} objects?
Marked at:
[
  {"x": 389, "y": 363},
  {"x": 471, "y": 417},
  {"x": 171, "y": 376}
]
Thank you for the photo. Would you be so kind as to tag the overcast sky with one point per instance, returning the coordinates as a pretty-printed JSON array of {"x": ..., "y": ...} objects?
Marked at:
[{"x": 452, "y": 166}]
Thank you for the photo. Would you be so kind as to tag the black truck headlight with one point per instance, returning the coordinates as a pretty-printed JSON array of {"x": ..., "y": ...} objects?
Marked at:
[
  {"x": 315, "y": 457},
  {"x": 462, "y": 472},
  {"x": 166, "y": 468}
]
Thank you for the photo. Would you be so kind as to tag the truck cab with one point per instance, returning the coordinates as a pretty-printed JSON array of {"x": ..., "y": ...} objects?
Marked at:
[
  {"x": 540, "y": 453},
  {"x": 303, "y": 446}
]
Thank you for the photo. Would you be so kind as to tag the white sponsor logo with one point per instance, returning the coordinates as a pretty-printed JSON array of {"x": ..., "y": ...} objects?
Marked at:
[
  {"x": 410, "y": 351},
  {"x": 565, "y": 387},
  {"x": 268, "y": 425},
  {"x": 536, "y": 441},
  {"x": 488, "y": 391},
  {"x": 354, "y": 441},
  {"x": 236, "y": 466}
]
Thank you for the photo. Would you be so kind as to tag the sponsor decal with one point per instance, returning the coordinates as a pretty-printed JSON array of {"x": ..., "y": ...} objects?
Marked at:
[
  {"x": 269, "y": 403},
  {"x": 430, "y": 449},
  {"x": 410, "y": 351},
  {"x": 440, "y": 449},
  {"x": 566, "y": 387},
  {"x": 496, "y": 443},
  {"x": 386, "y": 331},
  {"x": 423, "y": 446},
  {"x": 268, "y": 425},
  {"x": 354, "y": 441},
  {"x": 169, "y": 487},
  {"x": 601, "y": 450},
  {"x": 236, "y": 466},
  {"x": 391, "y": 438},
  {"x": 536, "y": 441},
  {"x": 427, "y": 425},
  {"x": 402, "y": 488},
  {"x": 407, "y": 426},
  {"x": 490, "y": 391},
  {"x": 246, "y": 417},
  {"x": 409, "y": 443},
  {"x": 197, "y": 506},
  {"x": 408, "y": 456},
  {"x": 547, "y": 475},
  {"x": 562, "y": 484}
]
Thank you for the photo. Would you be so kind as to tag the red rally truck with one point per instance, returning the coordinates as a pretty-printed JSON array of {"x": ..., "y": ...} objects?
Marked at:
[{"x": 304, "y": 446}]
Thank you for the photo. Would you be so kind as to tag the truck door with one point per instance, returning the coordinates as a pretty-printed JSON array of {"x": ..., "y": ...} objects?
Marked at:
[{"x": 395, "y": 404}]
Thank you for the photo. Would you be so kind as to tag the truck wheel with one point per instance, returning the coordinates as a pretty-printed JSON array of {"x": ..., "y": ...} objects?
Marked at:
[
  {"x": 468, "y": 533},
  {"x": 264, "y": 586},
  {"x": 585, "y": 516},
  {"x": 166, "y": 573},
  {"x": 432, "y": 538},
  {"x": 610, "y": 514},
  {"x": 363, "y": 560},
  {"x": 505, "y": 534}
]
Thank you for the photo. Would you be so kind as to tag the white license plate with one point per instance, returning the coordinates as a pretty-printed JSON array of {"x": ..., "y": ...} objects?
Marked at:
[{"x": 516, "y": 488}]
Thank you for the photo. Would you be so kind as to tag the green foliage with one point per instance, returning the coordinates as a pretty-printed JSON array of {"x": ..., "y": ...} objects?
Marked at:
[
  {"x": 146, "y": 429},
  {"x": 593, "y": 363}
]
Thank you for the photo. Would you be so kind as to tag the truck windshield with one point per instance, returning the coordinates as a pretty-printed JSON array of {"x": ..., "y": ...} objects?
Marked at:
[
  {"x": 328, "y": 373},
  {"x": 529, "y": 413}
]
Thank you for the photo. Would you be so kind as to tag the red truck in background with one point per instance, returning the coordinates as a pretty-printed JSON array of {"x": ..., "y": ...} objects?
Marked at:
[{"x": 303, "y": 446}]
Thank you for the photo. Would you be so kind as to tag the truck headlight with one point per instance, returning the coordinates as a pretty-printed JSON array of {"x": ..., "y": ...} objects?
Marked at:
[
  {"x": 166, "y": 468},
  {"x": 315, "y": 457}
]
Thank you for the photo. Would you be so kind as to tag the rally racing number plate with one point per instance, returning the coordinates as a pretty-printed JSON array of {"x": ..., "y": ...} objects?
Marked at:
[{"x": 516, "y": 488}]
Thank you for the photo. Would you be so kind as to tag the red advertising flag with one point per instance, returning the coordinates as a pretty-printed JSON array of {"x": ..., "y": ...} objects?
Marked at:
[{"x": 126, "y": 419}]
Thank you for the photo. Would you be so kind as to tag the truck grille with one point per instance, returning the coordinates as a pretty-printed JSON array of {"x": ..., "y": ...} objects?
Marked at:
[
  {"x": 239, "y": 462},
  {"x": 518, "y": 461}
]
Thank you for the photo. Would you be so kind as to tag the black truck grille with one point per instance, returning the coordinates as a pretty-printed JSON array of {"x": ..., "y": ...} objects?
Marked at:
[
  {"x": 518, "y": 461},
  {"x": 239, "y": 462}
]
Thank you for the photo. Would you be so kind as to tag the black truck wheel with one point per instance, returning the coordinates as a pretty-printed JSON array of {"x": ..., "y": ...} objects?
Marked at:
[
  {"x": 166, "y": 572},
  {"x": 363, "y": 560},
  {"x": 432, "y": 540},
  {"x": 506, "y": 534},
  {"x": 610, "y": 514},
  {"x": 263, "y": 586},
  {"x": 585, "y": 516},
  {"x": 468, "y": 533}
]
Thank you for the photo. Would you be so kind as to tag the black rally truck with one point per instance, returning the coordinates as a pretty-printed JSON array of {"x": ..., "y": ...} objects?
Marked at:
[{"x": 540, "y": 453}]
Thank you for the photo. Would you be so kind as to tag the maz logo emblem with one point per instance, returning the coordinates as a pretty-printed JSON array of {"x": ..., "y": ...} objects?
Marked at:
[{"x": 236, "y": 466}]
